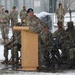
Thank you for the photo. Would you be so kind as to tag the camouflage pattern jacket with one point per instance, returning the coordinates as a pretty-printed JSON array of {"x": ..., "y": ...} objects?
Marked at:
[
  {"x": 14, "y": 40},
  {"x": 60, "y": 34},
  {"x": 7, "y": 18},
  {"x": 35, "y": 24},
  {"x": 23, "y": 15},
  {"x": 2, "y": 19},
  {"x": 46, "y": 39},
  {"x": 14, "y": 17},
  {"x": 60, "y": 14},
  {"x": 71, "y": 36}
]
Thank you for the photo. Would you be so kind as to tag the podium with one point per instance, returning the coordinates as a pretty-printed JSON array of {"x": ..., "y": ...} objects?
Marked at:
[{"x": 29, "y": 48}]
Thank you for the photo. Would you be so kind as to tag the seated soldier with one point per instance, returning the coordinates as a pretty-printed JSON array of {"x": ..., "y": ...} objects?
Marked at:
[
  {"x": 60, "y": 35},
  {"x": 70, "y": 41},
  {"x": 46, "y": 45},
  {"x": 12, "y": 44}
]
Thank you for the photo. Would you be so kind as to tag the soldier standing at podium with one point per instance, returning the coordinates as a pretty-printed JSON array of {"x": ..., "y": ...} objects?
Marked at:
[{"x": 35, "y": 25}]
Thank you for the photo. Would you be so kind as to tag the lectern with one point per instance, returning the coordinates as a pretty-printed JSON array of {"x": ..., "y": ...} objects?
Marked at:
[{"x": 29, "y": 48}]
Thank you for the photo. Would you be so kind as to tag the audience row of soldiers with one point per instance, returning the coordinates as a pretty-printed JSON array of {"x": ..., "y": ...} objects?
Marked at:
[{"x": 65, "y": 39}]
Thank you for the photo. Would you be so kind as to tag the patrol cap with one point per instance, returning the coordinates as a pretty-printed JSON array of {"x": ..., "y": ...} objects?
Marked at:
[
  {"x": 14, "y": 7},
  {"x": 29, "y": 10}
]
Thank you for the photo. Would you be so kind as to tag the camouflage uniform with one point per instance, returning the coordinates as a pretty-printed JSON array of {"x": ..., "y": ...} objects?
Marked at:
[
  {"x": 14, "y": 17},
  {"x": 46, "y": 43},
  {"x": 35, "y": 25},
  {"x": 23, "y": 14},
  {"x": 13, "y": 44},
  {"x": 17, "y": 41},
  {"x": 60, "y": 35},
  {"x": 46, "y": 39},
  {"x": 3, "y": 22},
  {"x": 71, "y": 39},
  {"x": 7, "y": 18},
  {"x": 60, "y": 14}
]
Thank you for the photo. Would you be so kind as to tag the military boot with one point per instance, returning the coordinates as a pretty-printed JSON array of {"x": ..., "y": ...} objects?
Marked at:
[
  {"x": 70, "y": 64},
  {"x": 10, "y": 61},
  {"x": 5, "y": 61}
]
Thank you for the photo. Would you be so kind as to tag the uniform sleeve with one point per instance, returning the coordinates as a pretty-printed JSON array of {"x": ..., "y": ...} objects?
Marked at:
[
  {"x": 63, "y": 12},
  {"x": 17, "y": 40},
  {"x": 16, "y": 15},
  {"x": 21, "y": 14},
  {"x": 7, "y": 18},
  {"x": 55, "y": 34},
  {"x": 37, "y": 28},
  {"x": 49, "y": 39}
]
